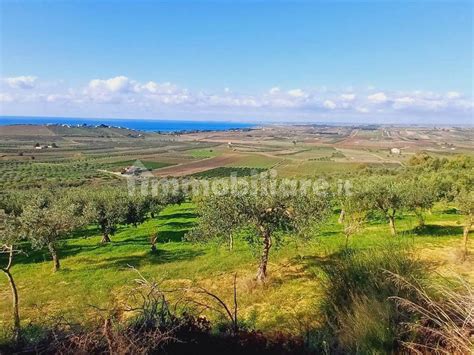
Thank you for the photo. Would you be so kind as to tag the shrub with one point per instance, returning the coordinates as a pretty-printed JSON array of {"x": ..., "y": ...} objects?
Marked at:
[
  {"x": 358, "y": 315},
  {"x": 442, "y": 320}
]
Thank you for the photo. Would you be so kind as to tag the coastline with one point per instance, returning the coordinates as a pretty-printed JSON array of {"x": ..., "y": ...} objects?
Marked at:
[{"x": 144, "y": 125}]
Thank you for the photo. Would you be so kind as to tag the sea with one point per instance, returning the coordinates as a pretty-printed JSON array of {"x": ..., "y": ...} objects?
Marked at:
[{"x": 147, "y": 125}]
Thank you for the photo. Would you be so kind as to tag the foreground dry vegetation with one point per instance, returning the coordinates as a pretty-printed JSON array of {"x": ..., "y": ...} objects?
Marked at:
[{"x": 383, "y": 267}]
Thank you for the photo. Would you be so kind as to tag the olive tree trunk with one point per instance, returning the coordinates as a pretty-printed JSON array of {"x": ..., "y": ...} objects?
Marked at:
[
  {"x": 341, "y": 216},
  {"x": 421, "y": 218},
  {"x": 14, "y": 290},
  {"x": 391, "y": 222},
  {"x": 105, "y": 238},
  {"x": 231, "y": 242},
  {"x": 153, "y": 241},
  {"x": 15, "y": 310},
  {"x": 267, "y": 244},
  {"x": 465, "y": 236},
  {"x": 54, "y": 254}
]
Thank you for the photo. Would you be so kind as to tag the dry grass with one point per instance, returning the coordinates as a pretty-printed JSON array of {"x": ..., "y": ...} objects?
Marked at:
[{"x": 444, "y": 317}]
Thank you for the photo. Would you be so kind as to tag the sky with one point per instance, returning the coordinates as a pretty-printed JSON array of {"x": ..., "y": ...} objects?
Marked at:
[{"x": 380, "y": 61}]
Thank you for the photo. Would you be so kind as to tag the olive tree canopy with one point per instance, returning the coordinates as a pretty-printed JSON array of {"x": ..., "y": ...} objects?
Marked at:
[{"x": 261, "y": 216}]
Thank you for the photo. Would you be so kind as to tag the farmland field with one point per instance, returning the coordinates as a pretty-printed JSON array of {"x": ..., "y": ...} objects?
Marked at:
[
  {"x": 228, "y": 171},
  {"x": 297, "y": 150}
]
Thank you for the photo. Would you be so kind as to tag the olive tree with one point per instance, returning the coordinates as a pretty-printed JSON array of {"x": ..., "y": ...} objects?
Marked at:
[
  {"x": 108, "y": 209},
  {"x": 155, "y": 201},
  {"x": 48, "y": 219},
  {"x": 349, "y": 197},
  {"x": 173, "y": 197},
  {"x": 420, "y": 194},
  {"x": 342, "y": 198},
  {"x": 385, "y": 194},
  {"x": 465, "y": 205},
  {"x": 260, "y": 216},
  {"x": 136, "y": 209},
  {"x": 10, "y": 239},
  {"x": 354, "y": 215},
  {"x": 222, "y": 228},
  {"x": 154, "y": 204}
]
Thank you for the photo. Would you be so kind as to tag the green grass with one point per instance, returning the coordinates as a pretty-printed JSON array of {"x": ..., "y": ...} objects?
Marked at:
[
  {"x": 255, "y": 161},
  {"x": 314, "y": 168},
  {"x": 95, "y": 275},
  {"x": 227, "y": 171},
  {"x": 312, "y": 153},
  {"x": 204, "y": 153},
  {"x": 150, "y": 165}
]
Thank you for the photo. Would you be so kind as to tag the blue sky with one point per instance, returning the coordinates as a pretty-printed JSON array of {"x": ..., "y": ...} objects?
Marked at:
[{"x": 356, "y": 61}]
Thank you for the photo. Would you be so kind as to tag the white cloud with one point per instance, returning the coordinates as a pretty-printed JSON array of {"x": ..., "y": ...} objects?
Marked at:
[
  {"x": 121, "y": 89},
  {"x": 58, "y": 98},
  {"x": 151, "y": 86},
  {"x": 329, "y": 104},
  {"x": 6, "y": 97},
  {"x": 274, "y": 90},
  {"x": 297, "y": 93},
  {"x": 348, "y": 97},
  {"x": 22, "y": 82},
  {"x": 453, "y": 95},
  {"x": 377, "y": 98},
  {"x": 405, "y": 100},
  {"x": 122, "y": 94},
  {"x": 116, "y": 84},
  {"x": 362, "y": 109},
  {"x": 154, "y": 88}
]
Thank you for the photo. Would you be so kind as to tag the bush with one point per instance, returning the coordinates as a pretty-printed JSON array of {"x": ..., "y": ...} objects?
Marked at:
[
  {"x": 442, "y": 319},
  {"x": 358, "y": 315}
]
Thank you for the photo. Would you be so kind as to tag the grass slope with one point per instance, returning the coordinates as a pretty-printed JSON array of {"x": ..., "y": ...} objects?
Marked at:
[{"x": 95, "y": 275}]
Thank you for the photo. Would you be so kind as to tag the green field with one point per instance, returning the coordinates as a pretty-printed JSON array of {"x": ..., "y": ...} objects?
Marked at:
[
  {"x": 63, "y": 173},
  {"x": 204, "y": 153},
  {"x": 95, "y": 275},
  {"x": 255, "y": 161},
  {"x": 315, "y": 168},
  {"x": 150, "y": 165},
  {"x": 227, "y": 171}
]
